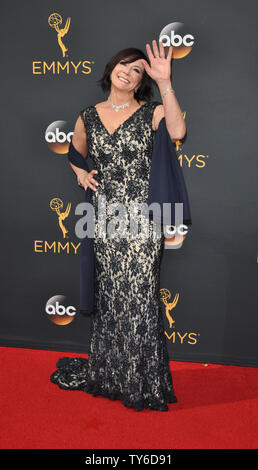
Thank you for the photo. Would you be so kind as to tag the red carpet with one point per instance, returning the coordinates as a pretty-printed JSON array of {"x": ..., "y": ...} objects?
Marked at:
[{"x": 217, "y": 409}]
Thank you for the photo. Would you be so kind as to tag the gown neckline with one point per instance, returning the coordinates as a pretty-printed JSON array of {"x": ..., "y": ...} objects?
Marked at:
[{"x": 124, "y": 122}]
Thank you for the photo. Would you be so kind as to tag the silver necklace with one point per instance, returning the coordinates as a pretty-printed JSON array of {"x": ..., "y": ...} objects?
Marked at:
[{"x": 121, "y": 106}]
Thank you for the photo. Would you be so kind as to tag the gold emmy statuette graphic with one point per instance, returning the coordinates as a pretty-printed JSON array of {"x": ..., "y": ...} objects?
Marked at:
[
  {"x": 54, "y": 21},
  {"x": 56, "y": 204},
  {"x": 165, "y": 294}
]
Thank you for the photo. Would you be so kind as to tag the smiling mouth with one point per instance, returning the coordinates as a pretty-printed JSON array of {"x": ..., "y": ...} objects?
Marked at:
[{"x": 123, "y": 80}]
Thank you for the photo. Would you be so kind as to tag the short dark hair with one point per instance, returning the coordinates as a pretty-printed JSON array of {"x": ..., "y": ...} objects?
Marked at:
[{"x": 144, "y": 91}]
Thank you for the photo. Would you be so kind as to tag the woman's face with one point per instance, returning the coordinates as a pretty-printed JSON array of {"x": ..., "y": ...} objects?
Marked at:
[{"x": 127, "y": 76}]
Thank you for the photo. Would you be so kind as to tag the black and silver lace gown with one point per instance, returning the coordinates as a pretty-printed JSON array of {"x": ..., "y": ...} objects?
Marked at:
[{"x": 128, "y": 358}]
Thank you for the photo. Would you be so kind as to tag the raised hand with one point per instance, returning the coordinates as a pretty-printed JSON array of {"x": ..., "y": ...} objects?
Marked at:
[{"x": 160, "y": 66}]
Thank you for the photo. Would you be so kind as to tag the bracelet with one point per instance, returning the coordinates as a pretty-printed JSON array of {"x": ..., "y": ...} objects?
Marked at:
[
  {"x": 167, "y": 90},
  {"x": 81, "y": 172}
]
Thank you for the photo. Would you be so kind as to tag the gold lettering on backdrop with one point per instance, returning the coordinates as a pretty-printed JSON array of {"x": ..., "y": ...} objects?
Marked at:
[
  {"x": 173, "y": 336},
  {"x": 50, "y": 246},
  {"x": 75, "y": 66},
  {"x": 43, "y": 246},
  {"x": 63, "y": 247},
  {"x": 35, "y": 67},
  {"x": 192, "y": 336},
  {"x": 181, "y": 337},
  {"x": 42, "y": 67},
  {"x": 63, "y": 67},
  {"x": 189, "y": 160},
  {"x": 38, "y": 246},
  {"x": 56, "y": 204},
  {"x": 75, "y": 247},
  {"x": 55, "y": 21},
  {"x": 49, "y": 67}
]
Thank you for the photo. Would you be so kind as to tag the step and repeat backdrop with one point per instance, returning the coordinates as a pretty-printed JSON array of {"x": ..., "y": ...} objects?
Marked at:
[{"x": 52, "y": 54}]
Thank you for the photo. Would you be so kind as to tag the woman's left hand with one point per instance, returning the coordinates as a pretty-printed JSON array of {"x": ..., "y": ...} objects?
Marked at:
[{"x": 160, "y": 68}]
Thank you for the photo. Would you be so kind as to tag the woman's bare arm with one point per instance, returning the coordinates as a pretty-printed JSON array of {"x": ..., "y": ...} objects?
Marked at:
[{"x": 79, "y": 142}]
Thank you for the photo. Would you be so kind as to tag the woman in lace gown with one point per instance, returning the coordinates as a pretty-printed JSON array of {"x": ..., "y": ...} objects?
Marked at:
[{"x": 128, "y": 357}]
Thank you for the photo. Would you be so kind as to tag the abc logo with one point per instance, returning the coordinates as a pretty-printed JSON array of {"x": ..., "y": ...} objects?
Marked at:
[
  {"x": 175, "y": 235},
  {"x": 58, "y": 311},
  {"x": 175, "y": 34},
  {"x": 58, "y": 137}
]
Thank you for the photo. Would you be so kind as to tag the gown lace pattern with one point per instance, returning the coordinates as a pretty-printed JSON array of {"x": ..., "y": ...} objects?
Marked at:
[{"x": 128, "y": 358}]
